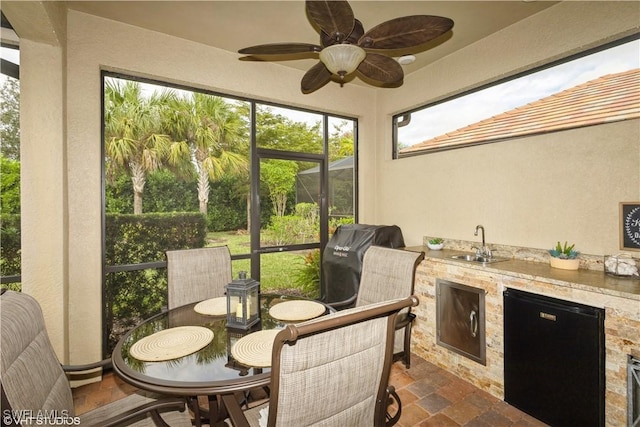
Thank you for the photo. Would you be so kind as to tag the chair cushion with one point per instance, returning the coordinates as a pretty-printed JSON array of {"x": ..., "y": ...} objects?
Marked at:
[
  {"x": 387, "y": 274},
  {"x": 31, "y": 375},
  {"x": 197, "y": 274},
  {"x": 319, "y": 376}
]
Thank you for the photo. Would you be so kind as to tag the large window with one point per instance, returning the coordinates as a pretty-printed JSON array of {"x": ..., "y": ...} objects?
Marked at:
[
  {"x": 10, "y": 241},
  {"x": 185, "y": 169},
  {"x": 595, "y": 87}
]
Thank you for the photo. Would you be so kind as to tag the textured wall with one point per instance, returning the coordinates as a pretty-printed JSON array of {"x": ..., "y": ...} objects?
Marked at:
[{"x": 530, "y": 191}]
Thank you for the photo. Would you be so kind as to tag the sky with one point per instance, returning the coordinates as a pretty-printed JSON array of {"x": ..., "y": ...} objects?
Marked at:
[{"x": 465, "y": 110}]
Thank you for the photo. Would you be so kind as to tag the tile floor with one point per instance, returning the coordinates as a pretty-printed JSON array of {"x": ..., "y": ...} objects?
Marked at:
[
  {"x": 433, "y": 397},
  {"x": 430, "y": 397},
  {"x": 93, "y": 395}
]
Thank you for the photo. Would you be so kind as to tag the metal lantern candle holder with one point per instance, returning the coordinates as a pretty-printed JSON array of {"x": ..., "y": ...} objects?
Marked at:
[{"x": 243, "y": 305}]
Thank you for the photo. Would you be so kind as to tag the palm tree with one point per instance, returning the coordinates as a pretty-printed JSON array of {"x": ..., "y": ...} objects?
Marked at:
[
  {"x": 133, "y": 138},
  {"x": 215, "y": 133}
]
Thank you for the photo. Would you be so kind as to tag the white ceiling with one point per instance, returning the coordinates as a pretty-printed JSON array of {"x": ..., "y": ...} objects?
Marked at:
[{"x": 232, "y": 25}]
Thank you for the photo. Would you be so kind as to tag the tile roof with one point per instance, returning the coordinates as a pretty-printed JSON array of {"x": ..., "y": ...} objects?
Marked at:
[{"x": 609, "y": 98}]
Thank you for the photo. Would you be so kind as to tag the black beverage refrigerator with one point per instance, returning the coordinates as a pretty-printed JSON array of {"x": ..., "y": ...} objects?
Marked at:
[{"x": 554, "y": 357}]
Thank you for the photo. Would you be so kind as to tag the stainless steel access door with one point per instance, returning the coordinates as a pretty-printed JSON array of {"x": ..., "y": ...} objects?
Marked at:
[{"x": 460, "y": 319}]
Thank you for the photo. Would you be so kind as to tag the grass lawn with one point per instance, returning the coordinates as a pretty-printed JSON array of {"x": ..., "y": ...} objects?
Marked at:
[{"x": 279, "y": 270}]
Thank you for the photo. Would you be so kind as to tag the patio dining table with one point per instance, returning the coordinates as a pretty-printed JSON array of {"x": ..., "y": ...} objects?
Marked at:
[{"x": 210, "y": 371}]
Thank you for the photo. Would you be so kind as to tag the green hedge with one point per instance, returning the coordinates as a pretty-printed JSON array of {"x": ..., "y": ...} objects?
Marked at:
[
  {"x": 163, "y": 192},
  {"x": 227, "y": 208},
  {"x": 130, "y": 296},
  {"x": 10, "y": 237},
  {"x": 134, "y": 239},
  {"x": 130, "y": 238}
]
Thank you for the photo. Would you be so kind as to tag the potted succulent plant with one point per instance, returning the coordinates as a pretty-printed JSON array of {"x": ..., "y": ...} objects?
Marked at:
[
  {"x": 564, "y": 257},
  {"x": 435, "y": 244}
]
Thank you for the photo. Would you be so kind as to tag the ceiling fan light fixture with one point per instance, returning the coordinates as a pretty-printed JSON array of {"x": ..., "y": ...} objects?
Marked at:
[
  {"x": 342, "y": 59},
  {"x": 346, "y": 47}
]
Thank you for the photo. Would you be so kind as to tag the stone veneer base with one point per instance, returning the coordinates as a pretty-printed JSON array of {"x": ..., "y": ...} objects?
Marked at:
[{"x": 622, "y": 326}]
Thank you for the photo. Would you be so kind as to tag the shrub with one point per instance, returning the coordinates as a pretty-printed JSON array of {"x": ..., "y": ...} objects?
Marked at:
[
  {"x": 228, "y": 204},
  {"x": 335, "y": 222},
  {"x": 10, "y": 185},
  {"x": 302, "y": 227},
  {"x": 130, "y": 296},
  {"x": 308, "y": 277},
  {"x": 10, "y": 238}
]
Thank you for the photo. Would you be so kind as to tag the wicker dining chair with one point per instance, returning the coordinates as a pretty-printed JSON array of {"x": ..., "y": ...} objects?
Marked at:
[
  {"x": 330, "y": 371},
  {"x": 197, "y": 274},
  {"x": 34, "y": 384},
  {"x": 388, "y": 274}
]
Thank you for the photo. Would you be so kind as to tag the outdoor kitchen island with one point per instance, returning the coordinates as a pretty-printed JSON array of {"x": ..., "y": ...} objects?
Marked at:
[{"x": 619, "y": 297}]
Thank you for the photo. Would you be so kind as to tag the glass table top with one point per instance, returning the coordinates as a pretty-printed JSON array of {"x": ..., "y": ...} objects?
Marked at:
[{"x": 212, "y": 364}]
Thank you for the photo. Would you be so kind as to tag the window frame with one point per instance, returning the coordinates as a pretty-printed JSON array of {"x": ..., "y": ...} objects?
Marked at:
[
  {"x": 254, "y": 153},
  {"x": 11, "y": 70},
  {"x": 399, "y": 118}
]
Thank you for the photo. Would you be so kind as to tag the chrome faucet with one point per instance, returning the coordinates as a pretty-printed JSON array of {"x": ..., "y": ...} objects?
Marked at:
[{"x": 484, "y": 250}]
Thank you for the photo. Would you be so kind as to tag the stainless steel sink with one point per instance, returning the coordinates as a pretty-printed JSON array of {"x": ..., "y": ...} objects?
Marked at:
[{"x": 478, "y": 259}]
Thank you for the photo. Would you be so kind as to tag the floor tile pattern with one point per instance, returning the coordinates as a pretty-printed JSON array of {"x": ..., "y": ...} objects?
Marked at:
[
  {"x": 434, "y": 397},
  {"x": 431, "y": 397}
]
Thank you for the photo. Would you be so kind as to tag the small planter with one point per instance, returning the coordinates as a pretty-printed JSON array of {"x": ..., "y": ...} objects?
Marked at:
[
  {"x": 564, "y": 264},
  {"x": 435, "y": 244},
  {"x": 564, "y": 257}
]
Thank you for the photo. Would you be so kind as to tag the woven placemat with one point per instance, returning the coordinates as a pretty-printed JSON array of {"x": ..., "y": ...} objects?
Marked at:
[
  {"x": 291, "y": 311},
  {"x": 215, "y": 306},
  {"x": 255, "y": 349},
  {"x": 171, "y": 343}
]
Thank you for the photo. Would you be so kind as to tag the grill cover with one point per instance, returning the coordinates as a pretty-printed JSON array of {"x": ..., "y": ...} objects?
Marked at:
[{"x": 342, "y": 257}]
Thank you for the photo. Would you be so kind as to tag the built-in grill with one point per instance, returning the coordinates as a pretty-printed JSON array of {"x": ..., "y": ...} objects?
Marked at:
[{"x": 460, "y": 320}]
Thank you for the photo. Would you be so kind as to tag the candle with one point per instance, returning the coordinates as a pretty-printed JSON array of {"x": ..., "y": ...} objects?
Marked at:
[{"x": 239, "y": 310}]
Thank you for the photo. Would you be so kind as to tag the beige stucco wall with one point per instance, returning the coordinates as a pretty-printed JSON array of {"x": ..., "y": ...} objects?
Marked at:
[
  {"x": 528, "y": 191},
  {"x": 44, "y": 257},
  {"x": 43, "y": 192}
]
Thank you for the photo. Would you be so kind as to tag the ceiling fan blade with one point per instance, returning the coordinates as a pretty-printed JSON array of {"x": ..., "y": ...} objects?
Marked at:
[
  {"x": 335, "y": 18},
  {"x": 280, "y": 49},
  {"x": 408, "y": 31},
  {"x": 381, "y": 69},
  {"x": 315, "y": 78}
]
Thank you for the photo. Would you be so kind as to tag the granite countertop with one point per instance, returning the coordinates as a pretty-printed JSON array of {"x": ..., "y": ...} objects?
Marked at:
[{"x": 589, "y": 280}]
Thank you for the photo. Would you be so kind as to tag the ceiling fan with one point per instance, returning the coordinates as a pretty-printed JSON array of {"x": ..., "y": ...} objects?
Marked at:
[{"x": 346, "y": 48}]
